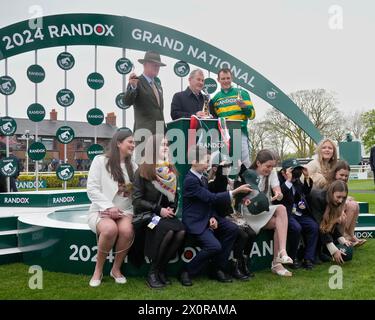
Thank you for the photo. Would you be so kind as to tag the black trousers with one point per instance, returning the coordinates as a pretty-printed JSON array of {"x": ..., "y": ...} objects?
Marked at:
[{"x": 244, "y": 242}]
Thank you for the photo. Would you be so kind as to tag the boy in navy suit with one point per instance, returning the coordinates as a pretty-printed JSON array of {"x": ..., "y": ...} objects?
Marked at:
[{"x": 216, "y": 235}]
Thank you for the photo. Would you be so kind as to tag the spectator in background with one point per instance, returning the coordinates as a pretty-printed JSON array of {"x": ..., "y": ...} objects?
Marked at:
[
  {"x": 372, "y": 161},
  {"x": 3, "y": 181},
  {"x": 13, "y": 179}
]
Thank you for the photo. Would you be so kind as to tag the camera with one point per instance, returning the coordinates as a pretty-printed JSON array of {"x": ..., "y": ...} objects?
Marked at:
[{"x": 296, "y": 173}]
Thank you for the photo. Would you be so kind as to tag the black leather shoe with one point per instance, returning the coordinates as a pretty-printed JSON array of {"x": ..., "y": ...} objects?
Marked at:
[
  {"x": 222, "y": 277},
  {"x": 185, "y": 279},
  {"x": 163, "y": 278},
  {"x": 243, "y": 263},
  {"x": 296, "y": 264},
  {"x": 153, "y": 281},
  {"x": 237, "y": 274},
  {"x": 308, "y": 265}
]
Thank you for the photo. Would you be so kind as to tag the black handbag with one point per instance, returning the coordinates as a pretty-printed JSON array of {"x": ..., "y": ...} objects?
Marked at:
[{"x": 144, "y": 218}]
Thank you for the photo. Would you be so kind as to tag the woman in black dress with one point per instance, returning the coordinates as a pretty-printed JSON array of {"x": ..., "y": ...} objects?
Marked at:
[{"x": 155, "y": 190}]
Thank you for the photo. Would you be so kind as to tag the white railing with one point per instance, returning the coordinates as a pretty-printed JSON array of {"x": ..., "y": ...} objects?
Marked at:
[{"x": 360, "y": 172}]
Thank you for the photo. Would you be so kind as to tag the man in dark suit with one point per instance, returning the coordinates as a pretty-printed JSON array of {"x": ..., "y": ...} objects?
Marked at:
[
  {"x": 189, "y": 102},
  {"x": 146, "y": 95},
  {"x": 216, "y": 235},
  {"x": 372, "y": 160}
]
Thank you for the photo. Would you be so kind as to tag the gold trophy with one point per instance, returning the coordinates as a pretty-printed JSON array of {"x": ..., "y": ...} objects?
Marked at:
[{"x": 239, "y": 95}]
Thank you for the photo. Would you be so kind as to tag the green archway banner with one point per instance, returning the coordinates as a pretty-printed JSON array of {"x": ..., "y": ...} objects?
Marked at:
[{"x": 125, "y": 32}]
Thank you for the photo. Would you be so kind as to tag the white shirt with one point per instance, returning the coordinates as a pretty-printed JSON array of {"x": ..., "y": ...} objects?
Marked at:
[{"x": 273, "y": 181}]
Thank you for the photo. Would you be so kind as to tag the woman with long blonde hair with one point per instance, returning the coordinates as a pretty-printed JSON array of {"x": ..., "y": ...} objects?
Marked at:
[{"x": 325, "y": 159}]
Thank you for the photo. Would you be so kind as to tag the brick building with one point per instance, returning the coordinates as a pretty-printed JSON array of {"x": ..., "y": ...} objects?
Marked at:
[{"x": 76, "y": 150}]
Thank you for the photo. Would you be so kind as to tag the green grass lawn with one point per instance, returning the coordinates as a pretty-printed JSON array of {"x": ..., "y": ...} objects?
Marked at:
[
  {"x": 361, "y": 185},
  {"x": 365, "y": 185},
  {"x": 358, "y": 283},
  {"x": 365, "y": 197}
]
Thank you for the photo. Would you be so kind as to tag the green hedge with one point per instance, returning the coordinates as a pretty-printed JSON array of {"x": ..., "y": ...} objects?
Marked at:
[{"x": 54, "y": 182}]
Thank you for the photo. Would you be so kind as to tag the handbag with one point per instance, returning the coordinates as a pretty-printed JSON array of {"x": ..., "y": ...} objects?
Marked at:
[{"x": 144, "y": 218}]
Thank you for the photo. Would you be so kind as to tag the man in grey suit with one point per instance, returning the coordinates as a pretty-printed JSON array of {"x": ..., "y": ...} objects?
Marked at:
[{"x": 146, "y": 94}]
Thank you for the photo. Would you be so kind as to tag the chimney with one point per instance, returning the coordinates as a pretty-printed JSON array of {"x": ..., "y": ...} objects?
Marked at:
[
  {"x": 53, "y": 115},
  {"x": 111, "y": 119}
]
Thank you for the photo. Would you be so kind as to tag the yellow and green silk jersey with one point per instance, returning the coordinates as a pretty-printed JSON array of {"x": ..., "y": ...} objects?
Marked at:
[{"x": 225, "y": 106}]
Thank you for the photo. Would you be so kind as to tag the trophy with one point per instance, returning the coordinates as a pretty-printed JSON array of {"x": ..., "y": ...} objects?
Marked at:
[
  {"x": 206, "y": 97},
  {"x": 239, "y": 96}
]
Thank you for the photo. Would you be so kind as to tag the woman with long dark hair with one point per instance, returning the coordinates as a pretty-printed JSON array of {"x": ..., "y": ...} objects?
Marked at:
[
  {"x": 327, "y": 207},
  {"x": 109, "y": 187},
  {"x": 276, "y": 217},
  {"x": 155, "y": 188},
  {"x": 341, "y": 172}
]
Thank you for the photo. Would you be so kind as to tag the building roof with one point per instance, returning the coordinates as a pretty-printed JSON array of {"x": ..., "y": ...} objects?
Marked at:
[{"x": 49, "y": 128}]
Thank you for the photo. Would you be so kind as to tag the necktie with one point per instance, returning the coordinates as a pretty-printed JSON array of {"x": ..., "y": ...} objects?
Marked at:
[
  {"x": 204, "y": 181},
  {"x": 156, "y": 93}
]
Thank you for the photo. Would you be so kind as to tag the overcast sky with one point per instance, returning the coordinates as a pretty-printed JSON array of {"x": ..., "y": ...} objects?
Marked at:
[{"x": 290, "y": 42}]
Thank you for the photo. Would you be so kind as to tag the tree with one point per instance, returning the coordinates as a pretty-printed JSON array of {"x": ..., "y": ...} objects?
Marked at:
[
  {"x": 257, "y": 137},
  {"x": 369, "y": 124},
  {"x": 355, "y": 125},
  {"x": 277, "y": 142},
  {"x": 320, "y": 106}
]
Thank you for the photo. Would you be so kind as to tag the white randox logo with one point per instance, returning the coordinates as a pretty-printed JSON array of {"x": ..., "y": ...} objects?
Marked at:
[
  {"x": 65, "y": 98},
  {"x": 124, "y": 66},
  {"x": 7, "y": 86},
  {"x": 65, "y": 173},
  {"x": 65, "y": 135},
  {"x": 271, "y": 94},
  {"x": 7, "y": 126},
  {"x": 9, "y": 168},
  {"x": 181, "y": 69},
  {"x": 65, "y": 61}
]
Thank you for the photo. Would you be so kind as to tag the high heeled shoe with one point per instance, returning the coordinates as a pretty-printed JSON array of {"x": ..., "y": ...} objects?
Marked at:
[
  {"x": 119, "y": 280},
  {"x": 96, "y": 283}
]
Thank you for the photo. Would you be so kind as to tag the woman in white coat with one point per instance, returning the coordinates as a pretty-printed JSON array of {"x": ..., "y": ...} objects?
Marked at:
[{"x": 109, "y": 187}]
